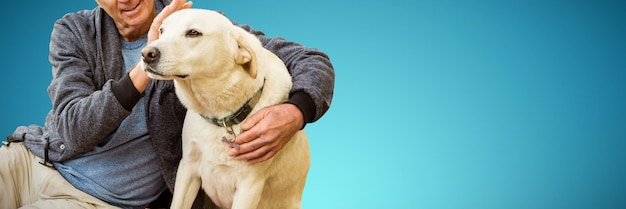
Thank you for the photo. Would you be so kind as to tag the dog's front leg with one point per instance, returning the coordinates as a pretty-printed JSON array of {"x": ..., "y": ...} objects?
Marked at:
[
  {"x": 187, "y": 185},
  {"x": 248, "y": 194}
]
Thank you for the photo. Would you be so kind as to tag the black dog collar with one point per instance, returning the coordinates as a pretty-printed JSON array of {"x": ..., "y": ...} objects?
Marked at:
[{"x": 239, "y": 115}]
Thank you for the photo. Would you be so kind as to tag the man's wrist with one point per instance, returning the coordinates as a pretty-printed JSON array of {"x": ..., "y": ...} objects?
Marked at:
[
  {"x": 125, "y": 92},
  {"x": 139, "y": 78},
  {"x": 305, "y": 104}
]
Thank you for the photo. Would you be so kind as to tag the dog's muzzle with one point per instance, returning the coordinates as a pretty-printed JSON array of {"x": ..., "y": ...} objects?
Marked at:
[{"x": 151, "y": 57}]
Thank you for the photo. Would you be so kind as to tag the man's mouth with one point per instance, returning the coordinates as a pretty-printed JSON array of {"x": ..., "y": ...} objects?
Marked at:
[{"x": 131, "y": 9}]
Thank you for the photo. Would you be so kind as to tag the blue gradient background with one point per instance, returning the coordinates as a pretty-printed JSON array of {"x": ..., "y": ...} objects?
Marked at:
[{"x": 438, "y": 104}]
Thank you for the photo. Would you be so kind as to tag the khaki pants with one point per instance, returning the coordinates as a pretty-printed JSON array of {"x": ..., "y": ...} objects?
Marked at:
[{"x": 24, "y": 183}]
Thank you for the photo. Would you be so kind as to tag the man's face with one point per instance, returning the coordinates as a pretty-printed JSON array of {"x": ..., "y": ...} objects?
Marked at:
[{"x": 132, "y": 17}]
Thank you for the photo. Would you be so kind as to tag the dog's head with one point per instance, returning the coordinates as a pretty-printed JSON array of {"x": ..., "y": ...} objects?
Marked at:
[{"x": 198, "y": 42}]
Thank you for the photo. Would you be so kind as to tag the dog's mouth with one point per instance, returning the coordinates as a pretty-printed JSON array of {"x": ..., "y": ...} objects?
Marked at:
[{"x": 151, "y": 71}]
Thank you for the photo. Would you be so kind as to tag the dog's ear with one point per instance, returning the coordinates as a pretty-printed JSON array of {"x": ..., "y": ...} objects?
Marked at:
[{"x": 246, "y": 56}]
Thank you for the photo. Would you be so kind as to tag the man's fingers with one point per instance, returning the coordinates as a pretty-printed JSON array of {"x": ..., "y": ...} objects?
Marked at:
[
  {"x": 176, "y": 5},
  {"x": 258, "y": 155},
  {"x": 247, "y": 136},
  {"x": 248, "y": 142},
  {"x": 253, "y": 119}
]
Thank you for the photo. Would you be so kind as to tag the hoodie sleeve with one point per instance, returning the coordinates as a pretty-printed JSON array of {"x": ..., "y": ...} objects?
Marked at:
[{"x": 85, "y": 109}]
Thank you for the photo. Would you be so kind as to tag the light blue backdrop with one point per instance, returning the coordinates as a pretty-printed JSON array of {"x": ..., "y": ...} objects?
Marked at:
[{"x": 438, "y": 104}]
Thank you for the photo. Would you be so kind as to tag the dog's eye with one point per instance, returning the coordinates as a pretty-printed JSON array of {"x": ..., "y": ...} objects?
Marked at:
[
  {"x": 193, "y": 33},
  {"x": 160, "y": 31}
]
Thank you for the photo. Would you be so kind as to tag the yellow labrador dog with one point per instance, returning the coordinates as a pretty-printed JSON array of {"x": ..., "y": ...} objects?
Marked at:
[{"x": 222, "y": 73}]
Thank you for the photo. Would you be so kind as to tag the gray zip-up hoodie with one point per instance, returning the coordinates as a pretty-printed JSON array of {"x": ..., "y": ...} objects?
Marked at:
[{"x": 91, "y": 94}]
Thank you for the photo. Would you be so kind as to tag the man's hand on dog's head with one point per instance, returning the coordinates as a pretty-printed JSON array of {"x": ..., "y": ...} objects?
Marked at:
[{"x": 175, "y": 5}]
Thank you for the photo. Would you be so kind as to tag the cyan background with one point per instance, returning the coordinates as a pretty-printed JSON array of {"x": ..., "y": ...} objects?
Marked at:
[{"x": 438, "y": 104}]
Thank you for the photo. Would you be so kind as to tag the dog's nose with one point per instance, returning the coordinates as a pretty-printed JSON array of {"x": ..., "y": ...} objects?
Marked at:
[{"x": 150, "y": 54}]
